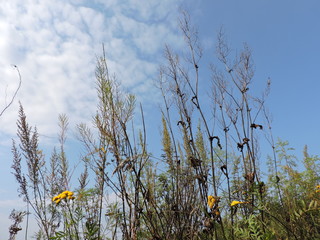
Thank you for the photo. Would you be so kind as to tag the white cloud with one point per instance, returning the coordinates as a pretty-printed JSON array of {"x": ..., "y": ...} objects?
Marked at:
[{"x": 55, "y": 45}]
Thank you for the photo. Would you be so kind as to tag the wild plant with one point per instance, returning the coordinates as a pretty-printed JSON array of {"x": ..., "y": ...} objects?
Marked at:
[{"x": 208, "y": 182}]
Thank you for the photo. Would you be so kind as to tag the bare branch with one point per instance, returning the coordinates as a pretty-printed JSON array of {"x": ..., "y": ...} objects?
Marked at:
[{"x": 15, "y": 93}]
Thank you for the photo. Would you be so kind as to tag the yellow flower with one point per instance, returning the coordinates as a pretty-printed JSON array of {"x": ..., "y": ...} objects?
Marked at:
[
  {"x": 63, "y": 195},
  {"x": 211, "y": 201},
  {"x": 69, "y": 193},
  {"x": 55, "y": 198},
  {"x": 234, "y": 203}
]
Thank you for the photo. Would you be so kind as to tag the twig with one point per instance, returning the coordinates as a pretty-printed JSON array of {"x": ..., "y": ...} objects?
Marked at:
[{"x": 15, "y": 93}]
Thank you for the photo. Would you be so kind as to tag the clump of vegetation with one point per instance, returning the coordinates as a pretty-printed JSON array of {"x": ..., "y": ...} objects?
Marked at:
[{"x": 208, "y": 183}]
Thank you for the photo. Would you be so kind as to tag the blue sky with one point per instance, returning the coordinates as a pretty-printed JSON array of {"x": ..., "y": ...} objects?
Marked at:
[{"x": 55, "y": 44}]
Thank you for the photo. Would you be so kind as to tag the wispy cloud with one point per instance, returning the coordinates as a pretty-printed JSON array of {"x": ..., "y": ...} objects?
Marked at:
[{"x": 55, "y": 45}]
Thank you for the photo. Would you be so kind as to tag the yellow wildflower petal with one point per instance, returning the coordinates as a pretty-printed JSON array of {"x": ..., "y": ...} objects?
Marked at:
[
  {"x": 234, "y": 203},
  {"x": 69, "y": 193},
  {"x": 55, "y": 198},
  {"x": 211, "y": 201},
  {"x": 63, "y": 195},
  {"x": 57, "y": 201}
]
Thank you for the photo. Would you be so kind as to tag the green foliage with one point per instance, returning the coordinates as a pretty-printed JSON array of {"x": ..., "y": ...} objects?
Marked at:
[
  {"x": 249, "y": 229},
  {"x": 91, "y": 230},
  {"x": 59, "y": 235}
]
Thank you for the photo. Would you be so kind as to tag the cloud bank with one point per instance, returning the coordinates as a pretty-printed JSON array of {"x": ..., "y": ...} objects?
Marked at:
[{"x": 55, "y": 45}]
